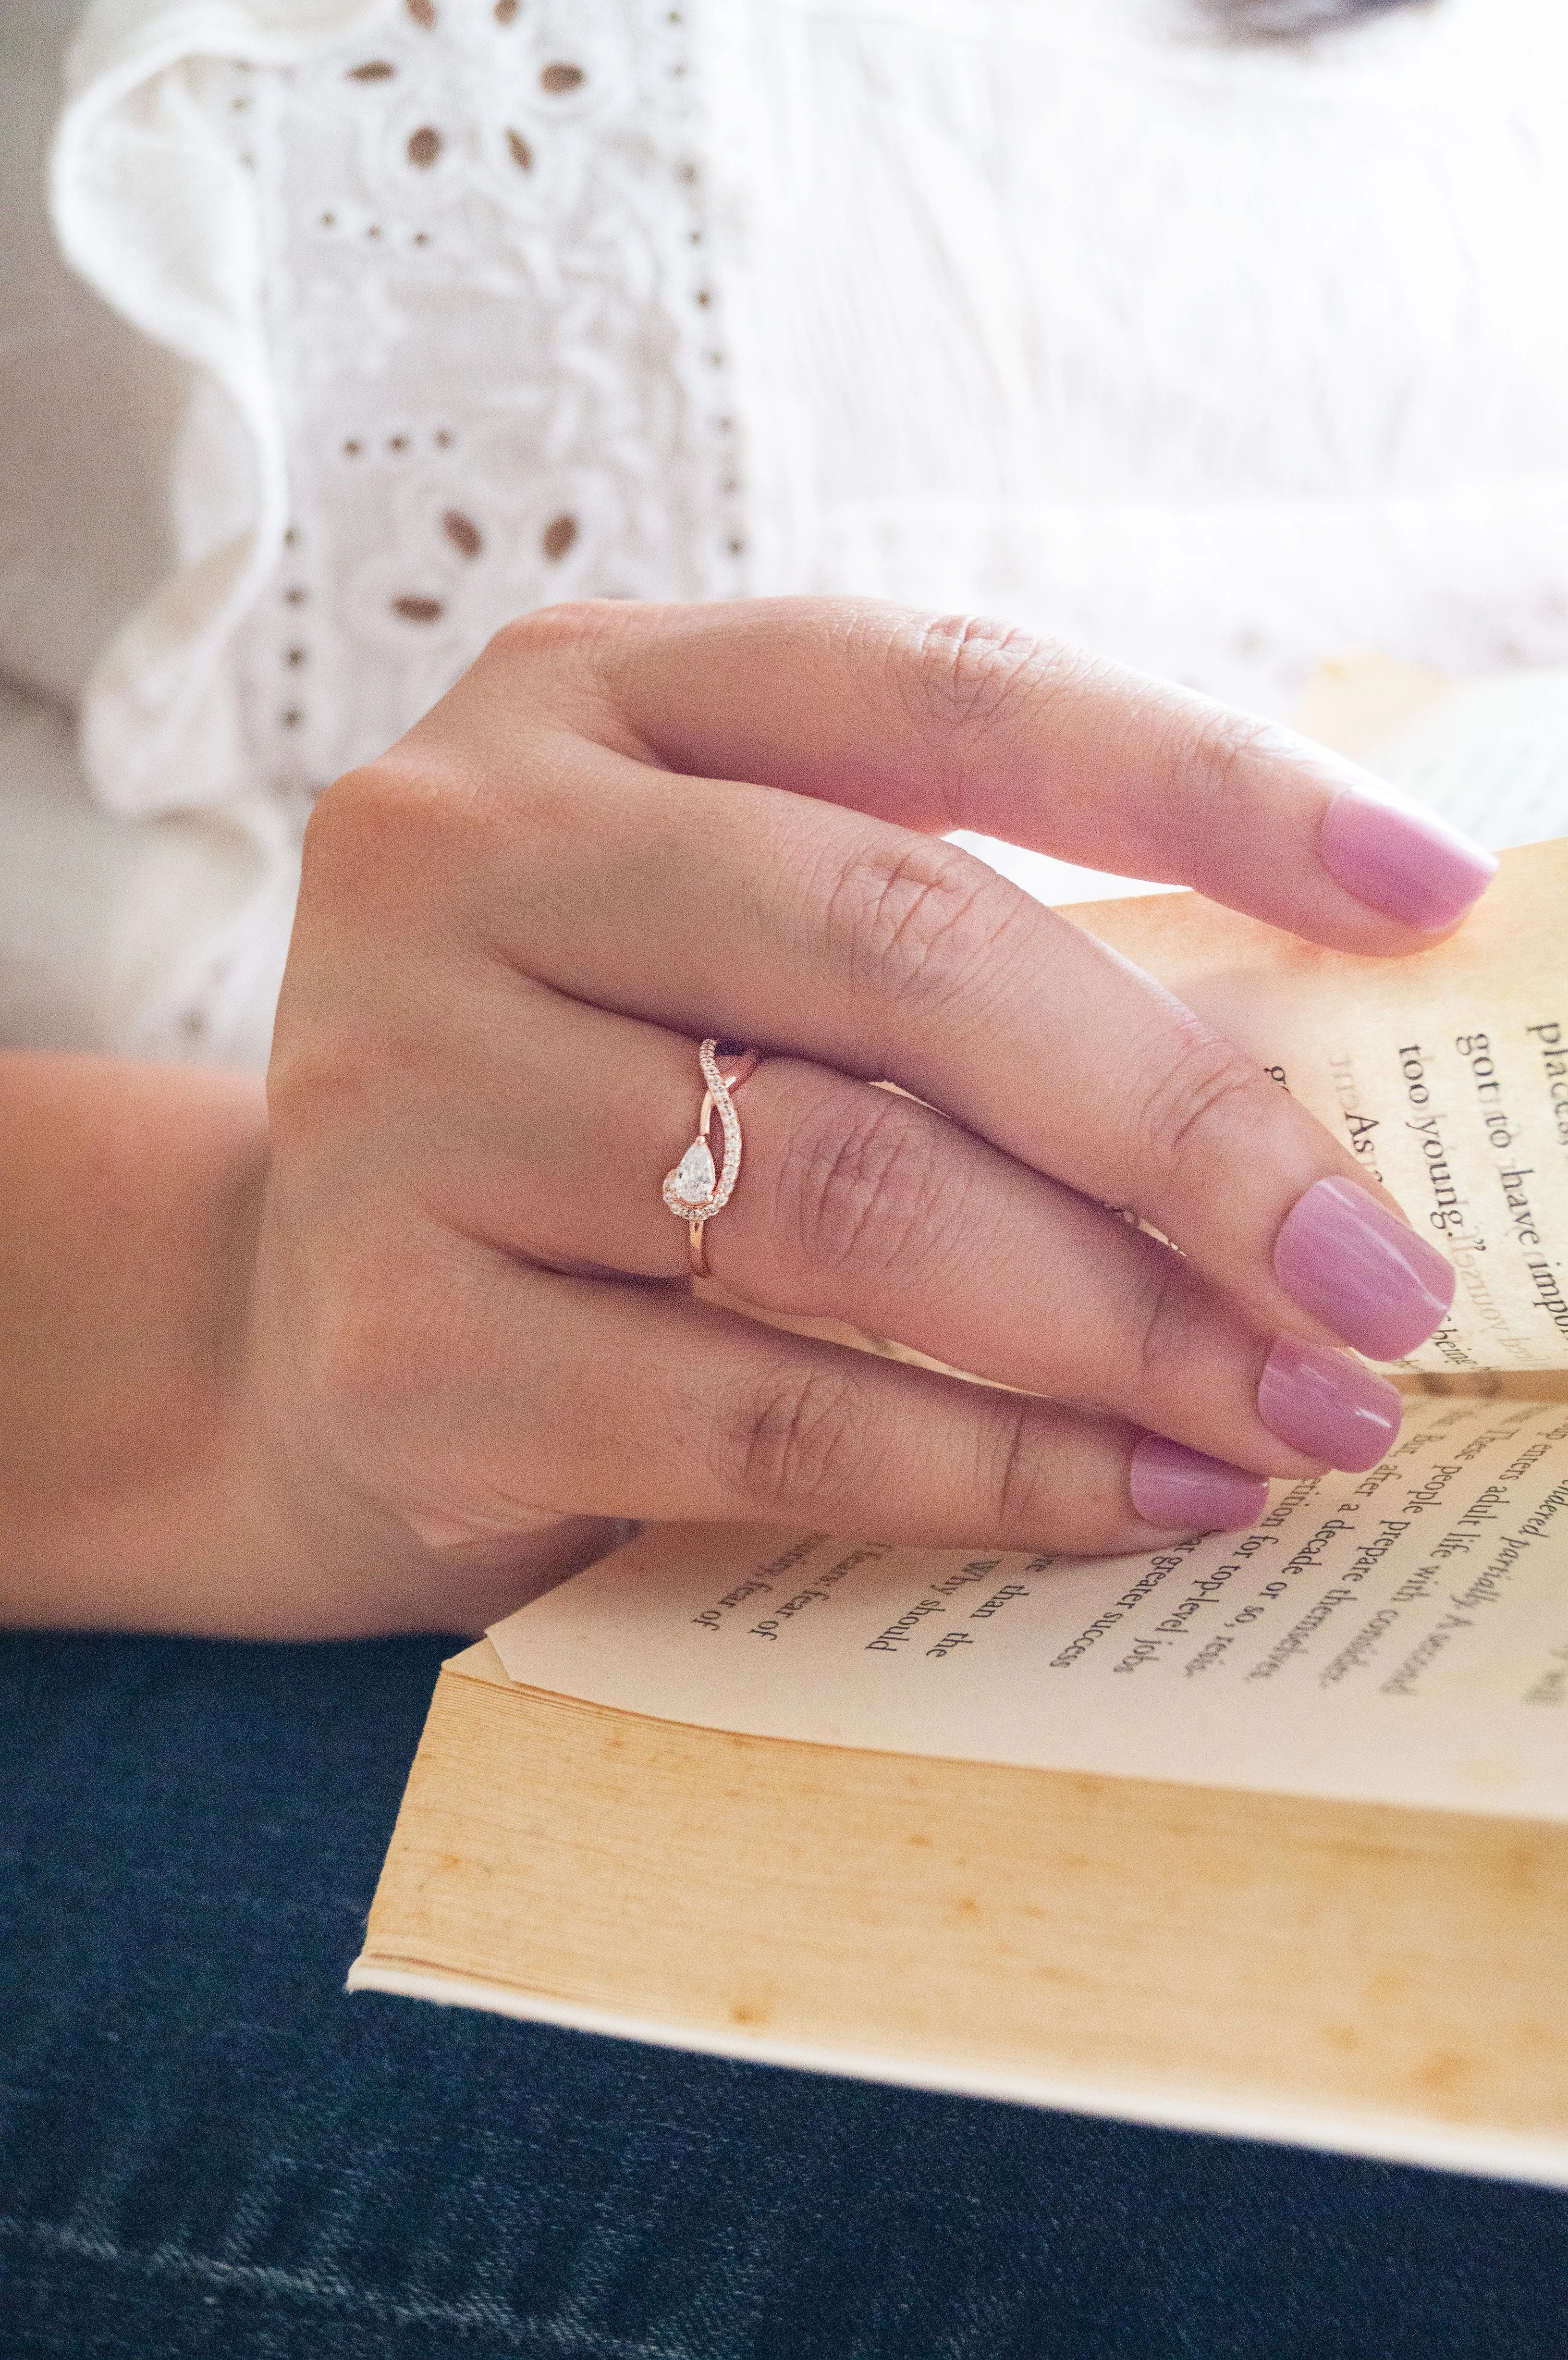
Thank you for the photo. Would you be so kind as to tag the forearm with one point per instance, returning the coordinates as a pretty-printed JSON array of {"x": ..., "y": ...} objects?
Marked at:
[{"x": 127, "y": 1196}]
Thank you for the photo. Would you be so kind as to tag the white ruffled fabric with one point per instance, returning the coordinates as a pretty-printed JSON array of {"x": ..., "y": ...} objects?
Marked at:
[
  {"x": 1223, "y": 357},
  {"x": 158, "y": 211}
]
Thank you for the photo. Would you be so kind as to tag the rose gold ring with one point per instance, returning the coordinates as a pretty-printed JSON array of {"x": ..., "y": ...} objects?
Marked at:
[{"x": 695, "y": 1191}]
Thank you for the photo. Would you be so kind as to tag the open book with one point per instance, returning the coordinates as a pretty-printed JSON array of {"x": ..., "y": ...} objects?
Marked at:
[{"x": 1264, "y": 1832}]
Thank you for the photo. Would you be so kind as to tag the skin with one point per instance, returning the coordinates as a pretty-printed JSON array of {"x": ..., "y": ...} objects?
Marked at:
[{"x": 364, "y": 1354}]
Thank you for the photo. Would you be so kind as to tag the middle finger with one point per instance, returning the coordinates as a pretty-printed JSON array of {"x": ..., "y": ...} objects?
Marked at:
[{"x": 718, "y": 907}]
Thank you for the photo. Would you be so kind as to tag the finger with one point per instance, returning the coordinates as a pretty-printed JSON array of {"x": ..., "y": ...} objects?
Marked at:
[
  {"x": 945, "y": 723},
  {"x": 475, "y": 1392},
  {"x": 857, "y": 1205},
  {"x": 708, "y": 907}
]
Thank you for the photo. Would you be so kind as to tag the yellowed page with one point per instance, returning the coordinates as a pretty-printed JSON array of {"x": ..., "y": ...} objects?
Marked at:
[
  {"x": 1489, "y": 756},
  {"x": 1398, "y": 1638},
  {"x": 1499, "y": 2154},
  {"x": 1446, "y": 1075},
  {"x": 1354, "y": 704}
]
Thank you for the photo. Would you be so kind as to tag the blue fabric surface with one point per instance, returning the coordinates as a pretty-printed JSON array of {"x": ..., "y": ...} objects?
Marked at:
[{"x": 206, "y": 2149}]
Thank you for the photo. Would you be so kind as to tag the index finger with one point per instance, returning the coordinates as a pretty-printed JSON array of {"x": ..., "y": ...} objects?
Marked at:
[{"x": 959, "y": 722}]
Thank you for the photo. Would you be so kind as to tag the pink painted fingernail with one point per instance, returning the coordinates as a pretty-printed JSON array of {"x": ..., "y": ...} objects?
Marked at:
[
  {"x": 1326, "y": 1404},
  {"x": 1362, "y": 1270},
  {"x": 1407, "y": 864},
  {"x": 1184, "y": 1490}
]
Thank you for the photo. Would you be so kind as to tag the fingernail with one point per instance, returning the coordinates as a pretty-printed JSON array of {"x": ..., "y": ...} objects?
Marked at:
[
  {"x": 1185, "y": 1490},
  {"x": 1362, "y": 1270},
  {"x": 1327, "y": 1404},
  {"x": 1407, "y": 864}
]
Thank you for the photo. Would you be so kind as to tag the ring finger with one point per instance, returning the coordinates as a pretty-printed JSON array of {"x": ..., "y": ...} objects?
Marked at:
[{"x": 863, "y": 1205}]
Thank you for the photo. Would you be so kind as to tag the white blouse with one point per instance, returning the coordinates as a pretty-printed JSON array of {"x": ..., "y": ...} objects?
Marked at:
[{"x": 1224, "y": 357}]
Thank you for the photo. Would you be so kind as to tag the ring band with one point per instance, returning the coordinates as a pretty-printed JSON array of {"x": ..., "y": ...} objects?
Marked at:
[{"x": 694, "y": 1191}]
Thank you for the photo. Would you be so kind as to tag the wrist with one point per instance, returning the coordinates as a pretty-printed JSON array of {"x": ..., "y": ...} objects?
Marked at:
[{"x": 124, "y": 1191}]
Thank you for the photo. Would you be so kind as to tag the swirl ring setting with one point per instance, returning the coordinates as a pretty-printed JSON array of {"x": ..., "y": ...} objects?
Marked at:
[{"x": 696, "y": 1188}]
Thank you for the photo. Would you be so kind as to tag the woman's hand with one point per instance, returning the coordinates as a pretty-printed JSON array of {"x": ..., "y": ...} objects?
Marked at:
[{"x": 630, "y": 827}]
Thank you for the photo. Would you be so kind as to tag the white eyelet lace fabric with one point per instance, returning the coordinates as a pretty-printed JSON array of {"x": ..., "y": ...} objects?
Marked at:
[
  {"x": 449, "y": 280},
  {"x": 1221, "y": 357},
  {"x": 497, "y": 325},
  {"x": 448, "y": 277}
]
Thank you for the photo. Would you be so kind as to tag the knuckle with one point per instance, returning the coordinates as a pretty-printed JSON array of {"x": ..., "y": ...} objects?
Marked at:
[
  {"x": 574, "y": 627},
  {"x": 1160, "y": 1358},
  {"x": 564, "y": 668},
  {"x": 963, "y": 673},
  {"x": 1207, "y": 1095},
  {"x": 794, "y": 1440},
  {"x": 345, "y": 818},
  {"x": 1210, "y": 762},
  {"x": 1020, "y": 1481},
  {"x": 366, "y": 827},
  {"x": 963, "y": 678},
  {"x": 378, "y": 852},
  {"x": 866, "y": 1190},
  {"x": 927, "y": 915}
]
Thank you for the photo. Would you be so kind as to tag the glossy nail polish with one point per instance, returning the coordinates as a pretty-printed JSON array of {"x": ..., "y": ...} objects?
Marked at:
[
  {"x": 1326, "y": 1405},
  {"x": 1185, "y": 1490},
  {"x": 1362, "y": 1270},
  {"x": 1409, "y": 866}
]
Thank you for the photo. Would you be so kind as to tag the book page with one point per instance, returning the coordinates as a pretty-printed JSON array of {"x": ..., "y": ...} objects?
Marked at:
[
  {"x": 1445, "y": 1075},
  {"x": 1491, "y": 756},
  {"x": 1401, "y": 1637}
]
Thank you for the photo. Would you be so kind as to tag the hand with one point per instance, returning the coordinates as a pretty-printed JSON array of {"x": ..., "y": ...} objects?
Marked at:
[{"x": 629, "y": 827}]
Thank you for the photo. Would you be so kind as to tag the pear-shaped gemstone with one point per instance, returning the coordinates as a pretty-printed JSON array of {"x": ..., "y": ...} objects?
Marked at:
[{"x": 694, "y": 1178}]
